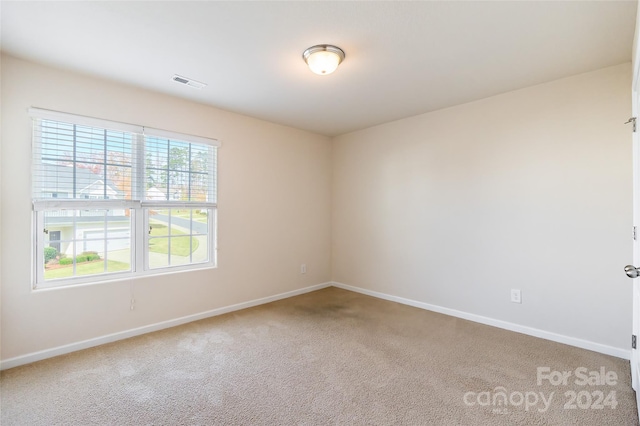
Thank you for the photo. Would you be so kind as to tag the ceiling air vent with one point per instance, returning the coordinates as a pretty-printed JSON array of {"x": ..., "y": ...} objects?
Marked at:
[{"x": 189, "y": 82}]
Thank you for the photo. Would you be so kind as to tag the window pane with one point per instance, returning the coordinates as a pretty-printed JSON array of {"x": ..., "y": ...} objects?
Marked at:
[
  {"x": 158, "y": 252},
  {"x": 158, "y": 222},
  {"x": 180, "y": 250},
  {"x": 201, "y": 253},
  {"x": 177, "y": 170},
  {"x": 178, "y": 237},
  {"x": 198, "y": 187},
  {"x": 57, "y": 140},
  {"x": 178, "y": 155},
  {"x": 156, "y": 164},
  {"x": 86, "y": 242},
  {"x": 81, "y": 162}
]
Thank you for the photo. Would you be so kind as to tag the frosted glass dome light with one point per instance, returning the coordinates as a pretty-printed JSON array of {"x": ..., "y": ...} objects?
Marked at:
[{"x": 323, "y": 59}]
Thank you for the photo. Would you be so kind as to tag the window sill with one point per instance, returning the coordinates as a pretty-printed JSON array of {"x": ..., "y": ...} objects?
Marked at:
[{"x": 118, "y": 277}]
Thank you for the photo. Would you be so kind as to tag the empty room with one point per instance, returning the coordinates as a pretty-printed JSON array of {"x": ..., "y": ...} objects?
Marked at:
[{"x": 317, "y": 212}]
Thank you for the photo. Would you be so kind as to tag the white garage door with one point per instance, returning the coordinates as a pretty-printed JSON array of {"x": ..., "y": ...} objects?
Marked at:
[{"x": 94, "y": 240}]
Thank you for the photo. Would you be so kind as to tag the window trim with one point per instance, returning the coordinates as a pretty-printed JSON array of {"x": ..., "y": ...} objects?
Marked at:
[{"x": 137, "y": 206}]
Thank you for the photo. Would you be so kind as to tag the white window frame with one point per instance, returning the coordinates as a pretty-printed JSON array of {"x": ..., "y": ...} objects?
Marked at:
[{"x": 137, "y": 205}]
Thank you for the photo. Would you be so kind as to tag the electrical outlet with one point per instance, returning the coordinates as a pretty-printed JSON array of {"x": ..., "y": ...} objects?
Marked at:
[
  {"x": 303, "y": 268},
  {"x": 516, "y": 296}
]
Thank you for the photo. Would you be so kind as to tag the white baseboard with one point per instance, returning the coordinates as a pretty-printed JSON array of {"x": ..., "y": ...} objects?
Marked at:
[
  {"x": 572, "y": 341},
  {"x": 85, "y": 344}
]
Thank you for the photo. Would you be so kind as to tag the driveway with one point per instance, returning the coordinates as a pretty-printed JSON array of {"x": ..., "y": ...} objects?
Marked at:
[{"x": 198, "y": 227}]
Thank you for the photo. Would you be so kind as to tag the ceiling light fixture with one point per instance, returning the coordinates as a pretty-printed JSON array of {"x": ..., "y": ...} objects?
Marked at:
[{"x": 323, "y": 59}]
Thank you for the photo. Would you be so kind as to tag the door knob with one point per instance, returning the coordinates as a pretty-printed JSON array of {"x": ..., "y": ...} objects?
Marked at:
[{"x": 632, "y": 271}]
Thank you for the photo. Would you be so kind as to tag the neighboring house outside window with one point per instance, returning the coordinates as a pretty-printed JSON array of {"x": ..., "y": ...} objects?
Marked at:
[
  {"x": 60, "y": 228},
  {"x": 113, "y": 200}
]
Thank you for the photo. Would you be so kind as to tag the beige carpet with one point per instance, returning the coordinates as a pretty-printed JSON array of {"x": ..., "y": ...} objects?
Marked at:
[{"x": 328, "y": 357}]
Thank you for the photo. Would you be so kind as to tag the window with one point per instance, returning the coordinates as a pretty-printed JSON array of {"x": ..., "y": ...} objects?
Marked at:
[{"x": 112, "y": 200}]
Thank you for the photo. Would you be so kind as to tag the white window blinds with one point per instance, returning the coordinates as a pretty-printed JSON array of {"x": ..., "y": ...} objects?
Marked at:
[{"x": 89, "y": 160}]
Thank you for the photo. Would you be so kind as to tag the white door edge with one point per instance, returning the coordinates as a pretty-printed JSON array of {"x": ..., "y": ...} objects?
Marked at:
[{"x": 635, "y": 101}]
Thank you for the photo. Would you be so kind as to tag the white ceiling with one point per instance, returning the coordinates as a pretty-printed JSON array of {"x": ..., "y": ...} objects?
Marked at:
[{"x": 403, "y": 58}]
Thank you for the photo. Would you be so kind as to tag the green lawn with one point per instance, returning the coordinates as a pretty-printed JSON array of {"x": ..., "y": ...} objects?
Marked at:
[
  {"x": 179, "y": 245},
  {"x": 85, "y": 268}
]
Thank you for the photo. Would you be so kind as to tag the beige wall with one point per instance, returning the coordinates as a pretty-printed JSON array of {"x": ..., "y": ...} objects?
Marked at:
[
  {"x": 274, "y": 213},
  {"x": 530, "y": 190}
]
